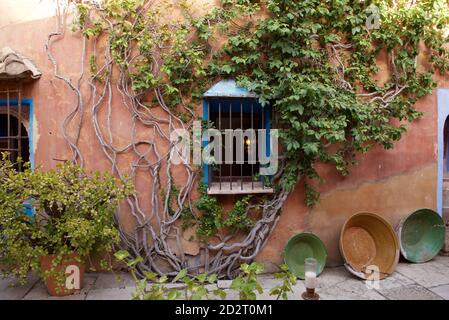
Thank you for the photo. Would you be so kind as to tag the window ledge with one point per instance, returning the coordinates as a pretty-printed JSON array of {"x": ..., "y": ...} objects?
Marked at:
[{"x": 237, "y": 188}]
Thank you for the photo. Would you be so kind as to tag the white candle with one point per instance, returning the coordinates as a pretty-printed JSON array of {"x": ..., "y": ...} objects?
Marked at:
[{"x": 311, "y": 280}]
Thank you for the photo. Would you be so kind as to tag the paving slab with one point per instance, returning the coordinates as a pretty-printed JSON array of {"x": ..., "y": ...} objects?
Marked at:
[
  {"x": 428, "y": 274},
  {"x": 108, "y": 280},
  {"x": 231, "y": 294},
  {"x": 429, "y": 280},
  {"x": 395, "y": 280},
  {"x": 111, "y": 294},
  {"x": 350, "y": 289},
  {"x": 442, "y": 291},
  {"x": 441, "y": 259},
  {"x": 224, "y": 284},
  {"x": 332, "y": 276},
  {"x": 268, "y": 281},
  {"x": 11, "y": 289},
  {"x": 176, "y": 285},
  {"x": 39, "y": 291},
  {"x": 410, "y": 292}
]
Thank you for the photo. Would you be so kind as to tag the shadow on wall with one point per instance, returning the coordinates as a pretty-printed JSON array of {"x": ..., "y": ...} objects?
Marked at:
[
  {"x": 445, "y": 165},
  {"x": 443, "y": 150}
]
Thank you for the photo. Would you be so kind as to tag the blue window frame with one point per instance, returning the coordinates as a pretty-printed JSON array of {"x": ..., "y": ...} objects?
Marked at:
[
  {"x": 29, "y": 104},
  {"x": 26, "y": 103},
  {"x": 231, "y": 107}
]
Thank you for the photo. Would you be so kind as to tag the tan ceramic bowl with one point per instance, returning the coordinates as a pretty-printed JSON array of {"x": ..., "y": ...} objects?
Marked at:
[{"x": 368, "y": 242}]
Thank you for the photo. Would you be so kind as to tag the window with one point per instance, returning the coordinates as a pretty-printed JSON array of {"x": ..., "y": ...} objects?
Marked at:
[
  {"x": 226, "y": 107},
  {"x": 14, "y": 116}
]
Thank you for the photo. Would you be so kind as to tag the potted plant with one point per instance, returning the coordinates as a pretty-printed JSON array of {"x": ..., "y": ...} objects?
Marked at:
[{"x": 73, "y": 217}]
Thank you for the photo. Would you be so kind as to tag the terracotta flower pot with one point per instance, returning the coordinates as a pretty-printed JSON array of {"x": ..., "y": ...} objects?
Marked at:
[{"x": 71, "y": 270}]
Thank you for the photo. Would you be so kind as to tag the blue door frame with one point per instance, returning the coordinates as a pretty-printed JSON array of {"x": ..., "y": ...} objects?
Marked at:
[{"x": 443, "y": 113}]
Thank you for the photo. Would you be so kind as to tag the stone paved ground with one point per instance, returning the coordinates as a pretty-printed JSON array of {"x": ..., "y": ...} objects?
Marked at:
[{"x": 410, "y": 281}]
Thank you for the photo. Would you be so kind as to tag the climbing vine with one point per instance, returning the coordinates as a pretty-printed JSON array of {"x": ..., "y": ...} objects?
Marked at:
[
  {"x": 213, "y": 217},
  {"x": 313, "y": 61}
]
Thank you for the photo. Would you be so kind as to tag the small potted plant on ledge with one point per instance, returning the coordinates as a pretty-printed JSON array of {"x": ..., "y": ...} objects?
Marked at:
[{"x": 73, "y": 217}]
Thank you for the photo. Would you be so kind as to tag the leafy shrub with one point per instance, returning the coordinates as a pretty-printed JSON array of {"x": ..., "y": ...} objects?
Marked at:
[
  {"x": 288, "y": 281},
  {"x": 247, "y": 284},
  {"x": 153, "y": 287},
  {"x": 74, "y": 212}
]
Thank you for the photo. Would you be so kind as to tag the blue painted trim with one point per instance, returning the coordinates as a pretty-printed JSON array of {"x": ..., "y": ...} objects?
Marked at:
[
  {"x": 204, "y": 142},
  {"x": 235, "y": 104},
  {"x": 211, "y": 105},
  {"x": 443, "y": 113},
  {"x": 29, "y": 103},
  {"x": 267, "y": 126},
  {"x": 28, "y": 208},
  {"x": 447, "y": 160},
  {"x": 228, "y": 88},
  {"x": 30, "y": 133},
  {"x": 226, "y": 91}
]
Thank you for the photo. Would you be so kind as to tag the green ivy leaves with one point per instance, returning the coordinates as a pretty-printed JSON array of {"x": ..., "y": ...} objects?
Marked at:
[
  {"x": 315, "y": 61},
  {"x": 247, "y": 283},
  {"x": 212, "y": 217}
]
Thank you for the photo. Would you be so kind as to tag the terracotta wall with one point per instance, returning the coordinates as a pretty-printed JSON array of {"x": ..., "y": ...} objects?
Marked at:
[
  {"x": 19, "y": 11},
  {"x": 391, "y": 183}
]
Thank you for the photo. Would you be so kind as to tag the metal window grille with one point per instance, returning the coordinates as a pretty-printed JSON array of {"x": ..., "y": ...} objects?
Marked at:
[
  {"x": 13, "y": 134},
  {"x": 236, "y": 113}
]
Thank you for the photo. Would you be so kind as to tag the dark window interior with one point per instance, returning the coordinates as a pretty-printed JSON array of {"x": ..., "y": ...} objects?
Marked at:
[
  {"x": 445, "y": 146},
  {"x": 236, "y": 114},
  {"x": 14, "y": 139}
]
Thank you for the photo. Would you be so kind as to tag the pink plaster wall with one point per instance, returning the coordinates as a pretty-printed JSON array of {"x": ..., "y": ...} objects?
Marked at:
[{"x": 390, "y": 183}]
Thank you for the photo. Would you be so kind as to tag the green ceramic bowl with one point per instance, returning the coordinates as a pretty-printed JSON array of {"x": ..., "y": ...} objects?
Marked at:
[
  {"x": 301, "y": 246},
  {"x": 421, "y": 235}
]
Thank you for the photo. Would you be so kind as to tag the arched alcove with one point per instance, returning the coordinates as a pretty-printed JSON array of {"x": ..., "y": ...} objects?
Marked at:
[
  {"x": 16, "y": 113},
  {"x": 443, "y": 145}
]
